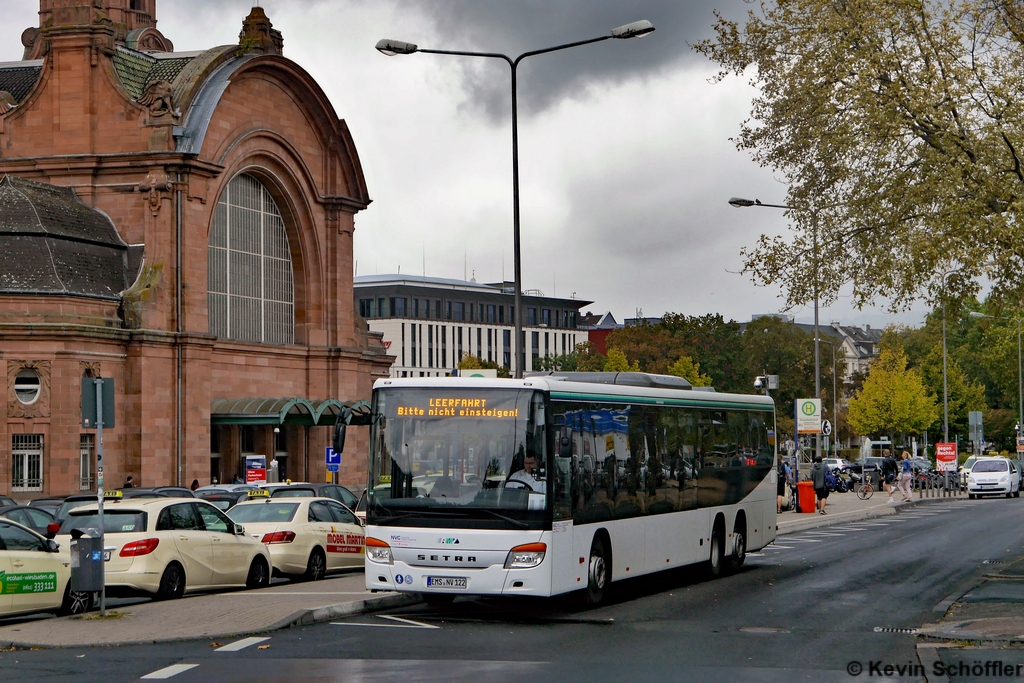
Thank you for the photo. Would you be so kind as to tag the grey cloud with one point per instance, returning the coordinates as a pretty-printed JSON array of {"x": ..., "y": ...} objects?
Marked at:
[{"x": 516, "y": 26}]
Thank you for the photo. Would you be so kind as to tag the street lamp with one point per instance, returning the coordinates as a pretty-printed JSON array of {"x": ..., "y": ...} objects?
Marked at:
[
  {"x": 636, "y": 29},
  {"x": 1020, "y": 374},
  {"x": 740, "y": 202},
  {"x": 835, "y": 394}
]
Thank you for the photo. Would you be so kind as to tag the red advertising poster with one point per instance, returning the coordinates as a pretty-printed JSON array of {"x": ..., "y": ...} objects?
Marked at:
[
  {"x": 255, "y": 469},
  {"x": 945, "y": 457}
]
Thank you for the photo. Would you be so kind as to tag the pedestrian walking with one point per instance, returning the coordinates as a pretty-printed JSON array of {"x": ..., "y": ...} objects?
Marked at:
[
  {"x": 128, "y": 483},
  {"x": 890, "y": 471},
  {"x": 783, "y": 485},
  {"x": 195, "y": 484},
  {"x": 820, "y": 487},
  {"x": 906, "y": 474}
]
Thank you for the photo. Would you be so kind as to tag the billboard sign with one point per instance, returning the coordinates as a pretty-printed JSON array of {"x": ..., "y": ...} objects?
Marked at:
[
  {"x": 255, "y": 469},
  {"x": 945, "y": 457},
  {"x": 808, "y": 415}
]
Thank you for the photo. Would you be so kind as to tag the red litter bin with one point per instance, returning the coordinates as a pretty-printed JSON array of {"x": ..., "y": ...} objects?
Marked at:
[{"x": 805, "y": 497}]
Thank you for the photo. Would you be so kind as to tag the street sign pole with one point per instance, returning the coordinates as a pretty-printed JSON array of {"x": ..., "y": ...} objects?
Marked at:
[{"x": 99, "y": 493}]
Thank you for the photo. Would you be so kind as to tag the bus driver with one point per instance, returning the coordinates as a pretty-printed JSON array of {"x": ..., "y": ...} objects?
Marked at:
[{"x": 526, "y": 475}]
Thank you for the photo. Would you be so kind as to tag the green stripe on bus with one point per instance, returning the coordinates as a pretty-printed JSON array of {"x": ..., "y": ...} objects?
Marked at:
[{"x": 689, "y": 403}]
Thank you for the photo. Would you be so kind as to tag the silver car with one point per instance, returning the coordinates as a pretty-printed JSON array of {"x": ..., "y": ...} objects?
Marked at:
[{"x": 993, "y": 476}]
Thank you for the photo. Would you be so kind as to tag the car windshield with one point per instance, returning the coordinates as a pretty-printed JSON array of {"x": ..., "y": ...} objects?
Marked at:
[
  {"x": 259, "y": 513},
  {"x": 969, "y": 462},
  {"x": 990, "y": 466},
  {"x": 114, "y": 521},
  {"x": 221, "y": 504},
  {"x": 440, "y": 457}
]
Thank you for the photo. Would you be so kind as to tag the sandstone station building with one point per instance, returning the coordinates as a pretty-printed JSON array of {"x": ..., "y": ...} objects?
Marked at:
[{"x": 180, "y": 222}]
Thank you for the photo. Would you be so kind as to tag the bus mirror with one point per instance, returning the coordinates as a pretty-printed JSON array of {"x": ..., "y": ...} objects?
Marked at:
[{"x": 338, "y": 442}]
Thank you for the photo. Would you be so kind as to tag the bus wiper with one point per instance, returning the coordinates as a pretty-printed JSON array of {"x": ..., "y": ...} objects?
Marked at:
[{"x": 521, "y": 525}]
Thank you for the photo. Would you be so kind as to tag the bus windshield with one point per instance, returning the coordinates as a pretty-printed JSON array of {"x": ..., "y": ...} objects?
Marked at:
[{"x": 458, "y": 457}]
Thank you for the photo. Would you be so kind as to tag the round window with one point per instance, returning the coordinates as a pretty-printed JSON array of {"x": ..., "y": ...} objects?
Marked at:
[{"x": 26, "y": 386}]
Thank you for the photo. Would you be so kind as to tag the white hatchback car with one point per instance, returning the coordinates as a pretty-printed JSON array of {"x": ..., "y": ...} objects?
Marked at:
[
  {"x": 993, "y": 476},
  {"x": 306, "y": 536},
  {"x": 165, "y": 547},
  {"x": 34, "y": 575}
]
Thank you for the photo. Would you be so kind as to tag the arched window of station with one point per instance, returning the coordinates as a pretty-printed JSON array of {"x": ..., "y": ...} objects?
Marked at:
[{"x": 251, "y": 290}]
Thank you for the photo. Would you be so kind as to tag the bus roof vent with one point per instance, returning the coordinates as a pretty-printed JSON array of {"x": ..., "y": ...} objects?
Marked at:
[{"x": 632, "y": 379}]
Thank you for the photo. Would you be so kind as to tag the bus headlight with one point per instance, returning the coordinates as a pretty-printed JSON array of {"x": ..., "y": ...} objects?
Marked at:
[
  {"x": 378, "y": 551},
  {"x": 526, "y": 556}
]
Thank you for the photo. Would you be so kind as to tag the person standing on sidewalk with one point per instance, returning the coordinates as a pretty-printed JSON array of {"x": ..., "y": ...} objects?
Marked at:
[
  {"x": 820, "y": 487},
  {"x": 889, "y": 473},
  {"x": 783, "y": 485},
  {"x": 906, "y": 473}
]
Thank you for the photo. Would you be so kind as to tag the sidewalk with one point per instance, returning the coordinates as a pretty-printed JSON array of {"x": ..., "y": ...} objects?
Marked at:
[
  {"x": 992, "y": 611},
  {"x": 847, "y": 507},
  {"x": 217, "y": 615}
]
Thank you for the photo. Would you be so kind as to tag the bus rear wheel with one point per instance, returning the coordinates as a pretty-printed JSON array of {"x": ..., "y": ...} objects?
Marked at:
[
  {"x": 717, "y": 544},
  {"x": 739, "y": 550},
  {"x": 599, "y": 572}
]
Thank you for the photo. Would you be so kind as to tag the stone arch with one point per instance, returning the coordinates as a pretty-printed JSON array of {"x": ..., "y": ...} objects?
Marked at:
[{"x": 293, "y": 195}]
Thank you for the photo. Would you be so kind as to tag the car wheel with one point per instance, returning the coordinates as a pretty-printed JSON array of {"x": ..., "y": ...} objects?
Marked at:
[
  {"x": 76, "y": 602},
  {"x": 599, "y": 573},
  {"x": 739, "y": 551},
  {"x": 172, "y": 583},
  {"x": 259, "y": 574},
  {"x": 317, "y": 566},
  {"x": 971, "y": 496}
]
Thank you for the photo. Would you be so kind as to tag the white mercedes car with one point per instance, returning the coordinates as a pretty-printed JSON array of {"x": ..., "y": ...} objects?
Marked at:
[
  {"x": 992, "y": 477},
  {"x": 165, "y": 547},
  {"x": 35, "y": 576},
  {"x": 307, "y": 537}
]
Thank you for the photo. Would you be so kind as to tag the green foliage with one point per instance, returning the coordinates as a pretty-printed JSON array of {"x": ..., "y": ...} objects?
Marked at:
[
  {"x": 617, "y": 362},
  {"x": 689, "y": 370},
  {"x": 584, "y": 358},
  {"x": 471, "y": 362},
  {"x": 897, "y": 126},
  {"x": 894, "y": 399}
]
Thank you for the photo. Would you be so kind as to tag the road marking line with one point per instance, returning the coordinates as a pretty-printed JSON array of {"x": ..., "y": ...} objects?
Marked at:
[
  {"x": 821, "y": 533},
  {"x": 846, "y": 528},
  {"x": 406, "y": 623},
  {"x": 805, "y": 540},
  {"x": 780, "y": 547},
  {"x": 417, "y": 624},
  {"x": 240, "y": 644},
  {"x": 168, "y": 671}
]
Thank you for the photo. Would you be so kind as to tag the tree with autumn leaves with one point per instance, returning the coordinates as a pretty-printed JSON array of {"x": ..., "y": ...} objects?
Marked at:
[{"x": 894, "y": 399}]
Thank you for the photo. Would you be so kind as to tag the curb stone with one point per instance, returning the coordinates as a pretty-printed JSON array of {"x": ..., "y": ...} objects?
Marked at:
[
  {"x": 305, "y": 617},
  {"x": 817, "y": 521}
]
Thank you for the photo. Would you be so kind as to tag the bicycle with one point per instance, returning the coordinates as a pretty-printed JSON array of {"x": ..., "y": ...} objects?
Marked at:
[{"x": 865, "y": 490}]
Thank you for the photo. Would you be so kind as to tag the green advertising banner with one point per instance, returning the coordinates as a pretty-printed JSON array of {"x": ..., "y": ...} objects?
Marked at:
[{"x": 12, "y": 584}]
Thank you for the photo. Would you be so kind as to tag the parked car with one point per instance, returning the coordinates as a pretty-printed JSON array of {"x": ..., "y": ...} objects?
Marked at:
[
  {"x": 70, "y": 503},
  {"x": 223, "y": 500},
  {"x": 170, "y": 491},
  {"x": 306, "y": 536},
  {"x": 306, "y": 490},
  {"x": 4, "y": 500},
  {"x": 965, "y": 469},
  {"x": 837, "y": 464},
  {"x": 50, "y": 504},
  {"x": 993, "y": 476},
  {"x": 165, "y": 547},
  {"x": 35, "y": 519},
  {"x": 37, "y": 575},
  {"x": 223, "y": 488}
]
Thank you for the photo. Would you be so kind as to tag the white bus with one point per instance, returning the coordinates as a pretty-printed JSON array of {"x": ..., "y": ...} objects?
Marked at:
[{"x": 562, "y": 482}]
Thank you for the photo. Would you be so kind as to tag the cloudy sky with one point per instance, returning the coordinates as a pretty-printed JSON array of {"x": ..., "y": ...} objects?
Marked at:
[{"x": 625, "y": 156}]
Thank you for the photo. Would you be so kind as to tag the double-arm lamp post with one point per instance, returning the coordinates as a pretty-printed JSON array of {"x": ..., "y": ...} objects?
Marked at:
[
  {"x": 637, "y": 29},
  {"x": 740, "y": 202},
  {"x": 1020, "y": 374}
]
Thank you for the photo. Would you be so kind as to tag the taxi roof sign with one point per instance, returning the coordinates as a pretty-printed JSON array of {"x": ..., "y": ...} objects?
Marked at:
[
  {"x": 113, "y": 495},
  {"x": 258, "y": 493}
]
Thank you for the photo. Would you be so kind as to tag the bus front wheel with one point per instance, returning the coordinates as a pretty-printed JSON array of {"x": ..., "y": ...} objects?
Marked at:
[
  {"x": 717, "y": 544},
  {"x": 599, "y": 572}
]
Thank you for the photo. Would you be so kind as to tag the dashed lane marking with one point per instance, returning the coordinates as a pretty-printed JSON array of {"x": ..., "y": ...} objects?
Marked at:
[
  {"x": 780, "y": 547},
  {"x": 240, "y": 644},
  {"x": 821, "y": 533},
  {"x": 804, "y": 540},
  {"x": 168, "y": 671}
]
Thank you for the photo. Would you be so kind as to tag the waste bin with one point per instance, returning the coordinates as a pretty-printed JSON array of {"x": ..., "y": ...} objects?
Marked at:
[
  {"x": 805, "y": 497},
  {"x": 86, "y": 560}
]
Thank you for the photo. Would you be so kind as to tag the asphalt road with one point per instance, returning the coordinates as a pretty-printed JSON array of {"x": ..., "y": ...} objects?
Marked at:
[{"x": 821, "y": 604}]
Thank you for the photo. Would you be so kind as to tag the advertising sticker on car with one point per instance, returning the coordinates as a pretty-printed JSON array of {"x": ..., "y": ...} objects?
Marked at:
[
  {"x": 13, "y": 584},
  {"x": 446, "y": 582},
  {"x": 344, "y": 543}
]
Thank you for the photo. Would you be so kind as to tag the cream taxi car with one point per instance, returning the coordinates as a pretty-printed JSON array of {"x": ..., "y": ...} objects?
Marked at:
[
  {"x": 165, "y": 547},
  {"x": 34, "y": 575},
  {"x": 307, "y": 537}
]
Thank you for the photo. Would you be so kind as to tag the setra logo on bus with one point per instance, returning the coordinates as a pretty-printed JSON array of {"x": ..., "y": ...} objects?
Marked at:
[{"x": 448, "y": 541}]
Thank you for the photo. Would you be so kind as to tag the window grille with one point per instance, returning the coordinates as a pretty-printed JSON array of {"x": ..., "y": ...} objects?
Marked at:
[
  {"x": 85, "y": 451},
  {"x": 251, "y": 287},
  {"x": 27, "y": 465}
]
